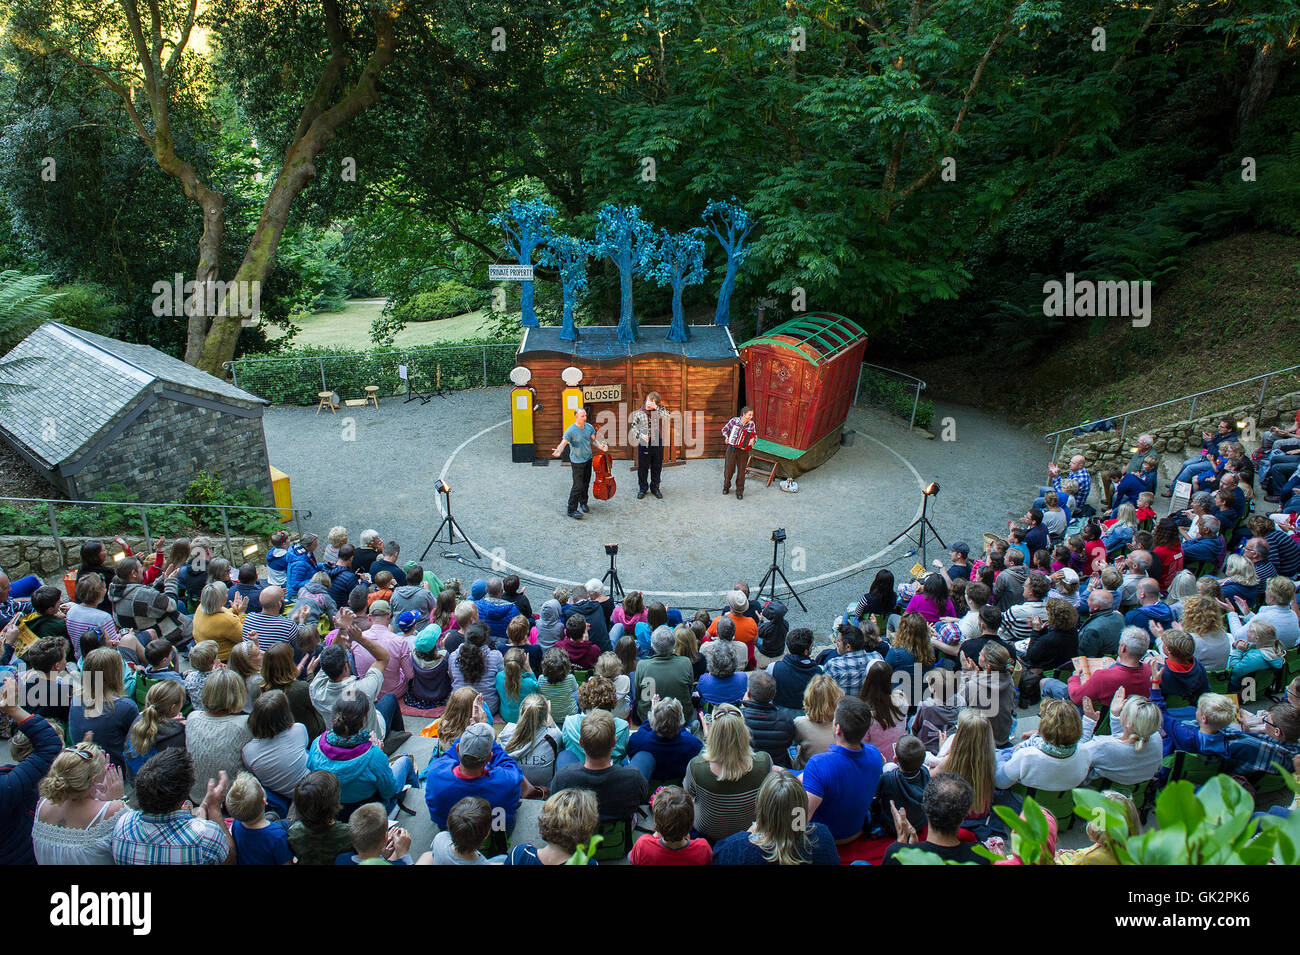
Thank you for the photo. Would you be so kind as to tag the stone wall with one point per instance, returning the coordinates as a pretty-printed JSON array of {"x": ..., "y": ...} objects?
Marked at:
[
  {"x": 162, "y": 451},
  {"x": 20, "y": 556},
  {"x": 1104, "y": 449}
]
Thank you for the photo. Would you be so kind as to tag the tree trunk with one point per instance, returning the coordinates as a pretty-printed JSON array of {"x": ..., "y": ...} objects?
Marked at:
[
  {"x": 316, "y": 128},
  {"x": 1264, "y": 70}
]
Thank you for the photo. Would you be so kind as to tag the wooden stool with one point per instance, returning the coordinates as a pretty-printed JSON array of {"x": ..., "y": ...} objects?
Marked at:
[
  {"x": 326, "y": 401},
  {"x": 372, "y": 394}
]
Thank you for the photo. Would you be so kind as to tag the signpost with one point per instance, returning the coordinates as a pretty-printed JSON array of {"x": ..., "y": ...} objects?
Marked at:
[{"x": 510, "y": 273}]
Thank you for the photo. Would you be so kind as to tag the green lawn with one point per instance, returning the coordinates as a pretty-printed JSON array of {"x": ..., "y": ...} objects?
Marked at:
[{"x": 350, "y": 327}]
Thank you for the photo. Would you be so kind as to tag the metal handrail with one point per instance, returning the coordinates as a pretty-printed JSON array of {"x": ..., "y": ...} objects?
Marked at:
[
  {"x": 1191, "y": 413},
  {"x": 916, "y": 399},
  {"x": 298, "y": 513}
]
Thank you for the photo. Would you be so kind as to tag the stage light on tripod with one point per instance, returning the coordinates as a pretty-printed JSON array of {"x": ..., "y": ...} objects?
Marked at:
[
  {"x": 442, "y": 487},
  {"x": 931, "y": 489}
]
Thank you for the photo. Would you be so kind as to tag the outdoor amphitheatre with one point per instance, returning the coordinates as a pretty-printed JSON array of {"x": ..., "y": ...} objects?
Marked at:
[{"x": 625, "y": 434}]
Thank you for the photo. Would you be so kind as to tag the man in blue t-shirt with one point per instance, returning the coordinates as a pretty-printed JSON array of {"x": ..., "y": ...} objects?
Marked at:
[
  {"x": 580, "y": 437},
  {"x": 842, "y": 781},
  {"x": 476, "y": 765}
]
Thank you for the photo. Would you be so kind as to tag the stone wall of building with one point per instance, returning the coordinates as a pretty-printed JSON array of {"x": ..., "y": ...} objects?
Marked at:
[
  {"x": 1104, "y": 449},
  {"x": 162, "y": 451},
  {"x": 20, "y": 556}
]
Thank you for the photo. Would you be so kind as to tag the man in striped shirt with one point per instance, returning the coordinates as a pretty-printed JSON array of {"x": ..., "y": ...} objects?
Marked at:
[
  {"x": 740, "y": 435},
  {"x": 1018, "y": 621},
  {"x": 270, "y": 628}
]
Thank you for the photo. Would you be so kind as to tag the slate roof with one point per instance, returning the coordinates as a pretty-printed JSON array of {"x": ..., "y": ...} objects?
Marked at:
[
  {"x": 708, "y": 343},
  {"x": 82, "y": 382}
]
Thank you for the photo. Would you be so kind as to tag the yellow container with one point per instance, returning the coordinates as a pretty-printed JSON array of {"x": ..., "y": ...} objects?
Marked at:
[{"x": 283, "y": 496}]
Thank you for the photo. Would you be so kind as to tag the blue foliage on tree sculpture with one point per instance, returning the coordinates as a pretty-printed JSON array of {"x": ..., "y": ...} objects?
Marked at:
[
  {"x": 569, "y": 256},
  {"x": 677, "y": 260},
  {"x": 625, "y": 239},
  {"x": 730, "y": 225},
  {"x": 524, "y": 223}
]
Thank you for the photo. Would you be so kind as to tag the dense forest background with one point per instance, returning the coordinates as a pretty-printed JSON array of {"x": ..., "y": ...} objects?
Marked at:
[{"x": 922, "y": 167}]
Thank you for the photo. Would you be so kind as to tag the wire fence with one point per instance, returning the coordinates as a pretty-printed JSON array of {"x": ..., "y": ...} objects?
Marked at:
[
  {"x": 299, "y": 379},
  {"x": 896, "y": 392}
]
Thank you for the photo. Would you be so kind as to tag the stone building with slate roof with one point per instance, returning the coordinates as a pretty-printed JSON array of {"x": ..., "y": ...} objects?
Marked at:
[{"x": 95, "y": 412}]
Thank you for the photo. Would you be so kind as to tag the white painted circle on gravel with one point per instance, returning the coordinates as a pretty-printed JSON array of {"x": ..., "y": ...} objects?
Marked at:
[{"x": 678, "y": 594}]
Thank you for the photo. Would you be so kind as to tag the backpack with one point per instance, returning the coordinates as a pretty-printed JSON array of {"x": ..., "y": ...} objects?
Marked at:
[{"x": 141, "y": 690}]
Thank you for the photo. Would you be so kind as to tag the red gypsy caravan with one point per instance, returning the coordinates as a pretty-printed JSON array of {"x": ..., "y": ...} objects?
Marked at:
[{"x": 799, "y": 379}]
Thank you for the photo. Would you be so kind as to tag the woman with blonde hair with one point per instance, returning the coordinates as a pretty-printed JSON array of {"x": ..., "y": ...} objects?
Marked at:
[
  {"x": 159, "y": 725},
  {"x": 725, "y": 778},
  {"x": 216, "y": 735},
  {"x": 1131, "y": 757},
  {"x": 1204, "y": 621},
  {"x": 970, "y": 754},
  {"x": 213, "y": 620},
  {"x": 1050, "y": 759},
  {"x": 102, "y": 708},
  {"x": 336, "y": 538},
  {"x": 568, "y": 820},
  {"x": 1239, "y": 580},
  {"x": 780, "y": 835},
  {"x": 814, "y": 732},
  {"x": 81, "y": 797},
  {"x": 911, "y": 644},
  {"x": 533, "y": 740},
  {"x": 458, "y": 715},
  {"x": 1120, "y": 531}
]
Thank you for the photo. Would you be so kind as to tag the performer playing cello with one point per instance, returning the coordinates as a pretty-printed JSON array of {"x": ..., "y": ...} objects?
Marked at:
[{"x": 580, "y": 437}]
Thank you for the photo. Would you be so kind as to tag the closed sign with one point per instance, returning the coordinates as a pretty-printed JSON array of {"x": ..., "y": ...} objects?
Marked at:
[{"x": 598, "y": 393}]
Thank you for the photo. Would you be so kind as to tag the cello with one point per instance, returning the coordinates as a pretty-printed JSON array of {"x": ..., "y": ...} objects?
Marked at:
[{"x": 603, "y": 485}]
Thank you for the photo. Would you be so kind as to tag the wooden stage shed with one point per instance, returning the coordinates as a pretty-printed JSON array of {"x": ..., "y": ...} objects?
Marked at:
[
  {"x": 699, "y": 378},
  {"x": 800, "y": 378}
]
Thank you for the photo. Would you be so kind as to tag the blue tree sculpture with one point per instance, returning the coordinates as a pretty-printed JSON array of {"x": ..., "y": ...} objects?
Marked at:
[
  {"x": 625, "y": 239},
  {"x": 524, "y": 223},
  {"x": 569, "y": 256},
  {"x": 730, "y": 225},
  {"x": 677, "y": 260}
]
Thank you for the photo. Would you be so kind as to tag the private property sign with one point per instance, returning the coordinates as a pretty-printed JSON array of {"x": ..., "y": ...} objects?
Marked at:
[{"x": 510, "y": 273}]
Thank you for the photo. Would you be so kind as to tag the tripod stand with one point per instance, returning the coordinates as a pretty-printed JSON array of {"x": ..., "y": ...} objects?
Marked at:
[
  {"x": 453, "y": 529},
  {"x": 774, "y": 572},
  {"x": 613, "y": 584},
  {"x": 920, "y": 525}
]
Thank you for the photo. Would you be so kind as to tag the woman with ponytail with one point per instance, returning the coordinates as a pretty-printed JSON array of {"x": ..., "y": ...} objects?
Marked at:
[
  {"x": 81, "y": 797},
  {"x": 159, "y": 725},
  {"x": 514, "y": 682}
]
